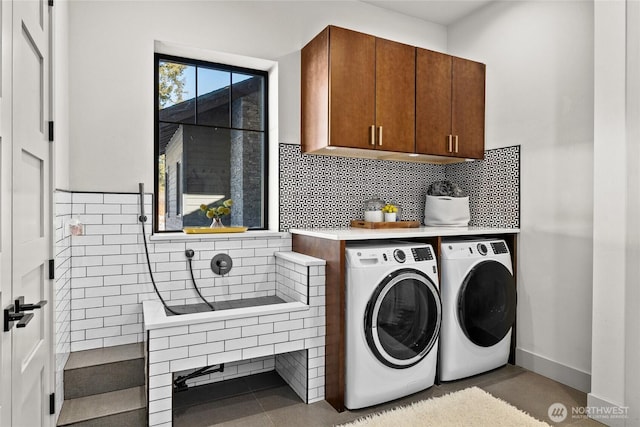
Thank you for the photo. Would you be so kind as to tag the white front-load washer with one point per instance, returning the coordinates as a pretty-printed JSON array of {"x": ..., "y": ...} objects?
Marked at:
[
  {"x": 478, "y": 307},
  {"x": 392, "y": 321}
]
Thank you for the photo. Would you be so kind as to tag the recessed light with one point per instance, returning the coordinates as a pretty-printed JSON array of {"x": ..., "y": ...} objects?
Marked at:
[
  {"x": 331, "y": 148},
  {"x": 413, "y": 155}
]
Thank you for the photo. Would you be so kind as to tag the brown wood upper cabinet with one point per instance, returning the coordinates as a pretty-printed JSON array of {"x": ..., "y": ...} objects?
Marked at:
[
  {"x": 358, "y": 91},
  {"x": 449, "y": 105}
]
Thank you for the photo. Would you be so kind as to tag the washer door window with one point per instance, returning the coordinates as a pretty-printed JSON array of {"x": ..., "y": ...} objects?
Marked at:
[
  {"x": 487, "y": 303},
  {"x": 403, "y": 317}
]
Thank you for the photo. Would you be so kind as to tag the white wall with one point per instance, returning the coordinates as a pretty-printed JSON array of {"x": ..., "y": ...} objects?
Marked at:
[
  {"x": 632, "y": 294},
  {"x": 616, "y": 270},
  {"x": 111, "y": 68},
  {"x": 539, "y": 93},
  {"x": 610, "y": 203},
  {"x": 61, "y": 93}
]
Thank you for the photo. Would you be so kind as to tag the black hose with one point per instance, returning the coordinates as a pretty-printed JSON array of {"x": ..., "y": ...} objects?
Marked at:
[
  {"x": 142, "y": 220},
  {"x": 196, "y": 286}
]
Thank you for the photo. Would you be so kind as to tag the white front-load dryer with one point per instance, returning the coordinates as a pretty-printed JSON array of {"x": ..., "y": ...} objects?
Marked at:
[
  {"x": 393, "y": 315},
  {"x": 478, "y": 307}
]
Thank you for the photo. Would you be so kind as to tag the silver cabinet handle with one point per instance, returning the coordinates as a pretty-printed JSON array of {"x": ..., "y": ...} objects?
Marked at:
[
  {"x": 380, "y": 136},
  {"x": 450, "y": 141},
  {"x": 372, "y": 134},
  {"x": 456, "y": 143}
]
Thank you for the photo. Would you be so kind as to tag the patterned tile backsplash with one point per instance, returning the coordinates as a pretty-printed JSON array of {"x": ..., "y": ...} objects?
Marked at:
[
  {"x": 327, "y": 191},
  {"x": 493, "y": 186}
]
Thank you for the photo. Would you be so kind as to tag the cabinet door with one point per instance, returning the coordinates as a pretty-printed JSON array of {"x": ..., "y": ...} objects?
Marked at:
[
  {"x": 433, "y": 103},
  {"x": 395, "y": 96},
  {"x": 352, "y": 88},
  {"x": 468, "y": 108}
]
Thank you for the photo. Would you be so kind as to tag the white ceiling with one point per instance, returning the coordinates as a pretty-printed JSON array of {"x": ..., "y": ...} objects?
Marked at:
[{"x": 438, "y": 11}]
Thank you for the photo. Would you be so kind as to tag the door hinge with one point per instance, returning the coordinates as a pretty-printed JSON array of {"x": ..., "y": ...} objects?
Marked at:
[
  {"x": 51, "y": 3},
  {"x": 51, "y": 131},
  {"x": 52, "y": 269},
  {"x": 52, "y": 403}
]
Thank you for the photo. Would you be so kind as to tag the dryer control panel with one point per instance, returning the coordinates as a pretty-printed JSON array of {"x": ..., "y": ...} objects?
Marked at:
[{"x": 474, "y": 249}]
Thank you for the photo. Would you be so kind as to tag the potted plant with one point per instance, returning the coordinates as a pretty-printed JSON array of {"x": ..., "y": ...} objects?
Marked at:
[
  {"x": 217, "y": 211},
  {"x": 390, "y": 212}
]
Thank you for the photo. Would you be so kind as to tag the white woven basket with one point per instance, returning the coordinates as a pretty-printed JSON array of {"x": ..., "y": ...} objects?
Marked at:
[{"x": 444, "y": 211}]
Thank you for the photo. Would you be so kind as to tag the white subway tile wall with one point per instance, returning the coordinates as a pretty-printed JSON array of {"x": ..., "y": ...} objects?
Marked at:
[
  {"x": 290, "y": 281},
  {"x": 292, "y": 367},
  {"x": 110, "y": 279},
  {"x": 62, "y": 289},
  {"x": 248, "y": 345}
]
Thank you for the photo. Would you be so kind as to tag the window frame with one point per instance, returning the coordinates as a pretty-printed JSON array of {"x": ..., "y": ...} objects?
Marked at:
[{"x": 159, "y": 57}]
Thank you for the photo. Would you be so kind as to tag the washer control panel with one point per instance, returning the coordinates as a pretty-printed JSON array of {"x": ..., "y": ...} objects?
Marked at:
[
  {"x": 422, "y": 253},
  {"x": 399, "y": 253}
]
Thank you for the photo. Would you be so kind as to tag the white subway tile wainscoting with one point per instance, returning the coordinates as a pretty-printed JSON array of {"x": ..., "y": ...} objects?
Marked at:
[
  {"x": 110, "y": 278},
  {"x": 101, "y": 276},
  {"x": 62, "y": 287}
]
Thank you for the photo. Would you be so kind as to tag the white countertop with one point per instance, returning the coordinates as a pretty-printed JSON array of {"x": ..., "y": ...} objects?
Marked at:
[{"x": 398, "y": 233}]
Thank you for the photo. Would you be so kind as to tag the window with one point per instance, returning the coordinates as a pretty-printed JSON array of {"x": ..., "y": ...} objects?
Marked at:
[{"x": 211, "y": 142}]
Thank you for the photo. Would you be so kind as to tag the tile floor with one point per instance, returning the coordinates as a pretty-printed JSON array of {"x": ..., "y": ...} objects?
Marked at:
[{"x": 278, "y": 405}]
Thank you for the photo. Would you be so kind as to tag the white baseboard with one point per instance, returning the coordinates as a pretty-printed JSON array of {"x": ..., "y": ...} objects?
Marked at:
[
  {"x": 607, "y": 413},
  {"x": 556, "y": 371}
]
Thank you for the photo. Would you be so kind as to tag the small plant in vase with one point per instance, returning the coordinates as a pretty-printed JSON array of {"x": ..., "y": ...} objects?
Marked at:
[
  {"x": 217, "y": 211},
  {"x": 390, "y": 212}
]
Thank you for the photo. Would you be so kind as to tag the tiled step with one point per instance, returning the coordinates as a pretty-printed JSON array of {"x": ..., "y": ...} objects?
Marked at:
[
  {"x": 116, "y": 408},
  {"x": 103, "y": 370}
]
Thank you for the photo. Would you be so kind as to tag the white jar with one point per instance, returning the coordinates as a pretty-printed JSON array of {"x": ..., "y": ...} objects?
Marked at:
[
  {"x": 390, "y": 217},
  {"x": 373, "y": 216}
]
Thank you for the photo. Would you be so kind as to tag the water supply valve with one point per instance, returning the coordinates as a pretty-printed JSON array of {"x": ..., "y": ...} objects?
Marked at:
[{"x": 221, "y": 264}]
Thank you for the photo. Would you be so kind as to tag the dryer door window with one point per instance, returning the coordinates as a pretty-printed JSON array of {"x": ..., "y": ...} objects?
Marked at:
[
  {"x": 487, "y": 303},
  {"x": 402, "y": 320}
]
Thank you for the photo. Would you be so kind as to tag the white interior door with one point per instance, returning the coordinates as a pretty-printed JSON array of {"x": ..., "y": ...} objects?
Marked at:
[
  {"x": 5, "y": 208},
  {"x": 32, "y": 223}
]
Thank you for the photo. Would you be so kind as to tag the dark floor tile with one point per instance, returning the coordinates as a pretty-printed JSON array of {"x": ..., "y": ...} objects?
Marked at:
[
  {"x": 231, "y": 410},
  {"x": 319, "y": 414},
  {"x": 583, "y": 421},
  {"x": 257, "y": 420},
  {"x": 277, "y": 398},
  {"x": 486, "y": 378},
  {"x": 100, "y": 356},
  {"x": 229, "y": 388},
  {"x": 429, "y": 393},
  {"x": 209, "y": 393},
  {"x": 281, "y": 406},
  {"x": 534, "y": 394},
  {"x": 265, "y": 381}
]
